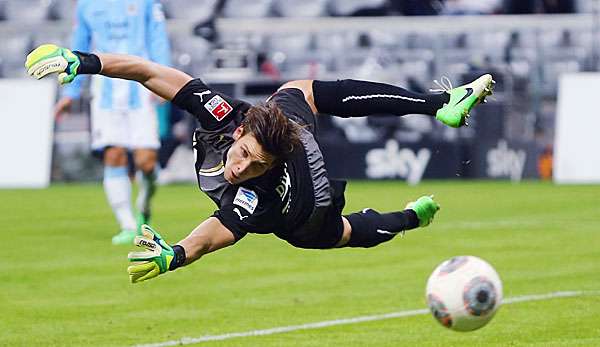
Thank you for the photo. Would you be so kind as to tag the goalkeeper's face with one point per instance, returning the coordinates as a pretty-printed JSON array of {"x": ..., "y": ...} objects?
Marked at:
[{"x": 246, "y": 159}]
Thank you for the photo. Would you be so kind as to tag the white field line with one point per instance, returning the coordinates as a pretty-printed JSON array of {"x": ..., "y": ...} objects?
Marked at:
[{"x": 317, "y": 325}]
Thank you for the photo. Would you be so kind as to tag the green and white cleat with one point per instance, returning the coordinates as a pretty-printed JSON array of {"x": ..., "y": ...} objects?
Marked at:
[
  {"x": 462, "y": 99},
  {"x": 425, "y": 208},
  {"x": 125, "y": 237}
]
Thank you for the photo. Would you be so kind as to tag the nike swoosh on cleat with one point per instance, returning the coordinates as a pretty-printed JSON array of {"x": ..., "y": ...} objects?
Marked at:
[{"x": 469, "y": 93}]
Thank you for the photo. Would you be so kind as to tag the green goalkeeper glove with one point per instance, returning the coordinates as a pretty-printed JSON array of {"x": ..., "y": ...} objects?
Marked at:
[
  {"x": 154, "y": 261},
  {"x": 47, "y": 59}
]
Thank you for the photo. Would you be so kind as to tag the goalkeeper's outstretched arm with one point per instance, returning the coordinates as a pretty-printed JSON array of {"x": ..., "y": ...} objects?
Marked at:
[
  {"x": 160, "y": 257},
  {"x": 162, "y": 80},
  {"x": 209, "y": 236}
]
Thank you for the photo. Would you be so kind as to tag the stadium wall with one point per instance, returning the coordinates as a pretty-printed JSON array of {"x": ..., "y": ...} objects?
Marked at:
[
  {"x": 412, "y": 162},
  {"x": 26, "y": 135},
  {"x": 576, "y": 143}
]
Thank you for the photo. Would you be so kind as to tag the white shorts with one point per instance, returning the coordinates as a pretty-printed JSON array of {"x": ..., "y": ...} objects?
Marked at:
[{"x": 131, "y": 129}]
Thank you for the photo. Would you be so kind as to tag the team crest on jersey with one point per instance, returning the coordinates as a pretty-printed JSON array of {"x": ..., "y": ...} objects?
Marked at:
[
  {"x": 132, "y": 10},
  {"x": 246, "y": 199},
  {"x": 218, "y": 107}
]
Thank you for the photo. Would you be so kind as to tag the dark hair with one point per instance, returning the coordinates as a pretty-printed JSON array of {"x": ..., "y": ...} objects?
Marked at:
[{"x": 277, "y": 135}]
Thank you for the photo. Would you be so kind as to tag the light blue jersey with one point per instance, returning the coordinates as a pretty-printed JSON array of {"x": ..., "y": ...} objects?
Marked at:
[{"x": 134, "y": 27}]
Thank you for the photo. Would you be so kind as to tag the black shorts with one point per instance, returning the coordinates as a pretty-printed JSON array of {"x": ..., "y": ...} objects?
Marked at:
[{"x": 325, "y": 227}]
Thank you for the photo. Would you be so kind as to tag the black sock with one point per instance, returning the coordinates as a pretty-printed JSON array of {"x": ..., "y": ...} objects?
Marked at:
[
  {"x": 179, "y": 259},
  {"x": 89, "y": 63},
  {"x": 370, "y": 228},
  {"x": 352, "y": 98}
]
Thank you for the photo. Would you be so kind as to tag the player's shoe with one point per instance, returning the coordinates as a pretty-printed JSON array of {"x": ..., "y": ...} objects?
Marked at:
[
  {"x": 154, "y": 261},
  {"x": 462, "y": 99},
  {"x": 125, "y": 237},
  {"x": 425, "y": 208}
]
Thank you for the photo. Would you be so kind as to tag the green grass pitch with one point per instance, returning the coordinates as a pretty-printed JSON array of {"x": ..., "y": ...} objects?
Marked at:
[{"x": 62, "y": 283}]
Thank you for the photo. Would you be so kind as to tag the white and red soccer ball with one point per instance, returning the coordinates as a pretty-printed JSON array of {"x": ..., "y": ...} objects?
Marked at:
[{"x": 464, "y": 293}]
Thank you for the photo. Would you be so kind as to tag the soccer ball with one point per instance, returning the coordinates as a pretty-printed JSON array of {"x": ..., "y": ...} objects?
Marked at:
[{"x": 464, "y": 293}]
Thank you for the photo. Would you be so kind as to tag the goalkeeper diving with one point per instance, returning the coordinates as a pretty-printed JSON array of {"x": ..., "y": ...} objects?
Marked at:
[{"x": 261, "y": 164}]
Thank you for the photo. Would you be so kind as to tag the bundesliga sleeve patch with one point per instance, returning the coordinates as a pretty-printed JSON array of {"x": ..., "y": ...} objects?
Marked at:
[
  {"x": 218, "y": 107},
  {"x": 246, "y": 199}
]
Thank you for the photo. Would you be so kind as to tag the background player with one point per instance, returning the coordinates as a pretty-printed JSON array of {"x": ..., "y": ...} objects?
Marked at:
[{"x": 123, "y": 114}]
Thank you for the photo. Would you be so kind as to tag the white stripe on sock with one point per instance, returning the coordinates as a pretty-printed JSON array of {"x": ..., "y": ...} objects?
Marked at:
[
  {"x": 385, "y": 232},
  {"x": 374, "y": 96}
]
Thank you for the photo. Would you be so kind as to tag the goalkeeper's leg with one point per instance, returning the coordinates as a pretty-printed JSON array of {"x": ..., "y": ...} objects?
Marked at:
[
  {"x": 353, "y": 98},
  {"x": 369, "y": 228}
]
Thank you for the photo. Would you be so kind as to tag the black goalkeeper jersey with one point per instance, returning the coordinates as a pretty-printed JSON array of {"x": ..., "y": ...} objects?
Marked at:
[{"x": 288, "y": 199}]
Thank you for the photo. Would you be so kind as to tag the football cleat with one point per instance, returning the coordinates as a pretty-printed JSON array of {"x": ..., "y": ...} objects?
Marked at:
[
  {"x": 425, "y": 208},
  {"x": 125, "y": 237},
  {"x": 462, "y": 99}
]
